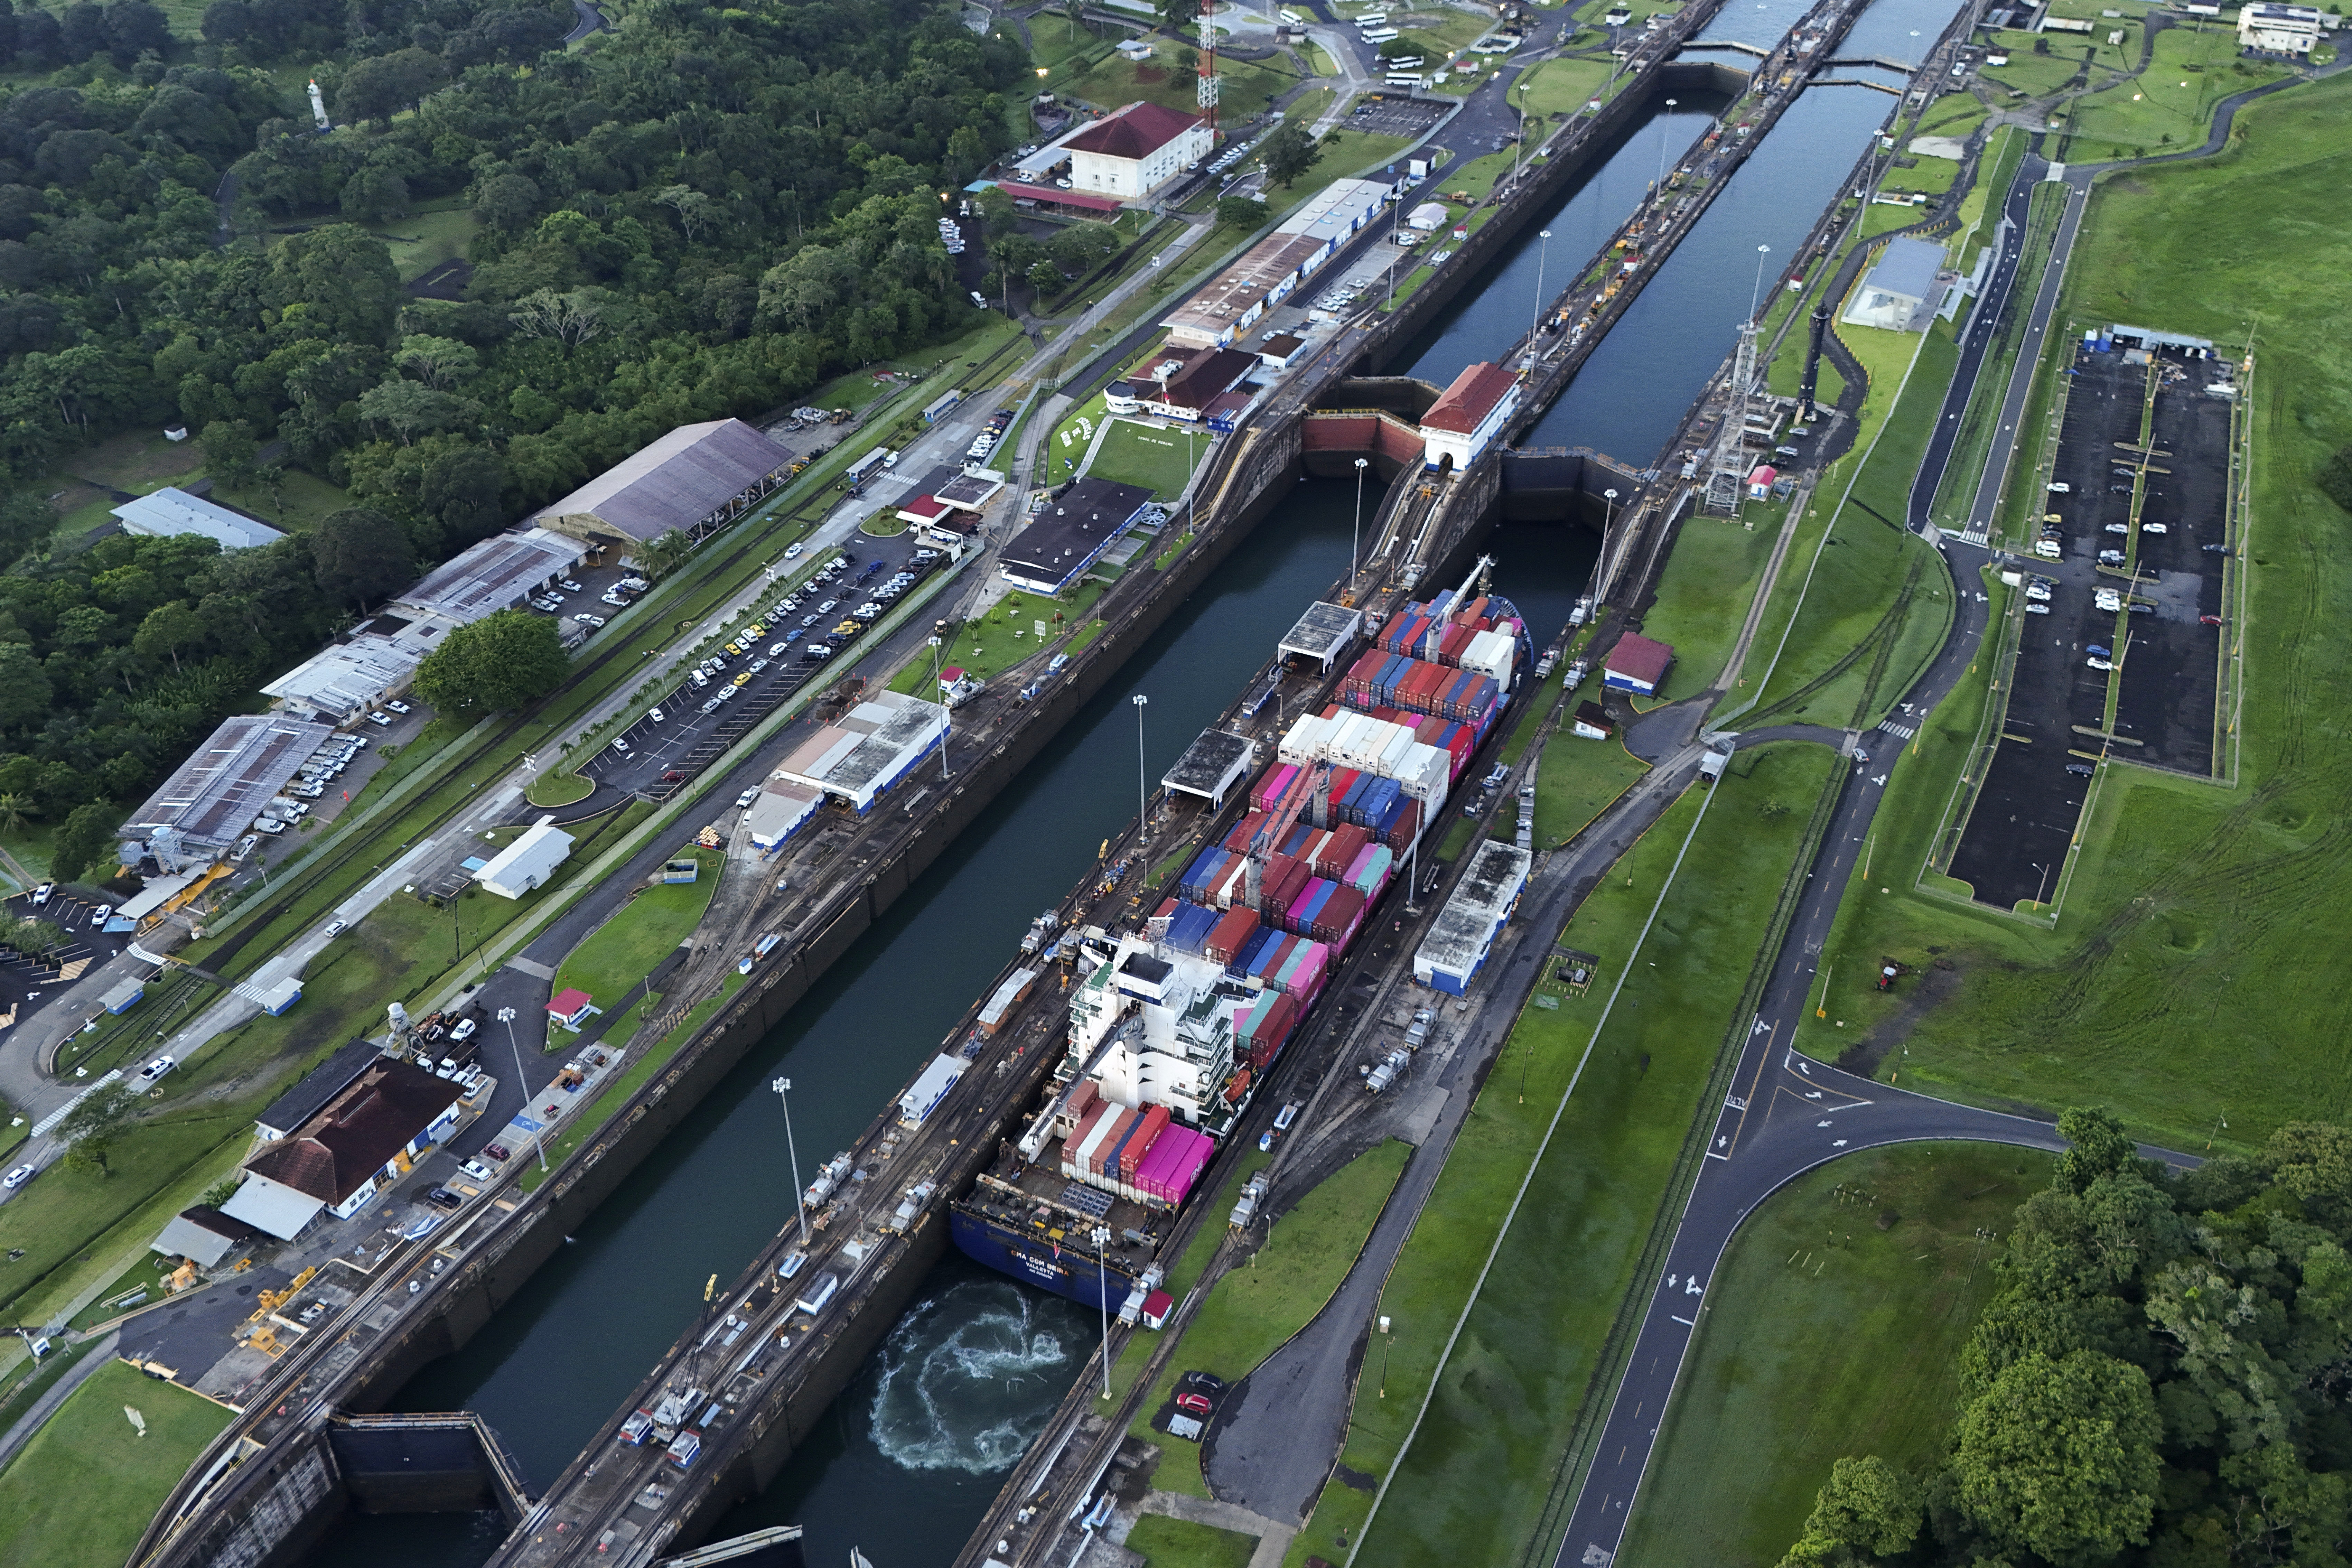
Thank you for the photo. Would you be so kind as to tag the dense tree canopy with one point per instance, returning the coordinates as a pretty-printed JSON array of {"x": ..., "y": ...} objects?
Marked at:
[
  {"x": 707, "y": 212},
  {"x": 501, "y": 661},
  {"x": 2161, "y": 1381}
]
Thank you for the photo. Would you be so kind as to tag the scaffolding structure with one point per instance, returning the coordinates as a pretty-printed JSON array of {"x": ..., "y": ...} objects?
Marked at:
[{"x": 1726, "y": 481}]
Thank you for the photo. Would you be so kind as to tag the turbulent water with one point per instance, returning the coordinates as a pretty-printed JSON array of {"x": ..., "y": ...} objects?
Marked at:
[{"x": 967, "y": 1378}]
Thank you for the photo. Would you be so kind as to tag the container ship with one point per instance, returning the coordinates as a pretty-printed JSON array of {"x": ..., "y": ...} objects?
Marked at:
[{"x": 1174, "y": 1026}]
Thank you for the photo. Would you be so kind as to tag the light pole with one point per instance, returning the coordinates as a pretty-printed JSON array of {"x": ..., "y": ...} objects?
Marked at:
[
  {"x": 1756, "y": 294},
  {"x": 784, "y": 1088},
  {"x": 1142, "y": 703},
  {"x": 2041, "y": 883},
  {"x": 507, "y": 1015},
  {"x": 1659, "y": 185},
  {"x": 938, "y": 653},
  {"x": 1355, "y": 538},
  {"x": 1102, "y": 1295},
  {"x": 1607, "y": 520},
  {"x": 1535, "y": 316}
]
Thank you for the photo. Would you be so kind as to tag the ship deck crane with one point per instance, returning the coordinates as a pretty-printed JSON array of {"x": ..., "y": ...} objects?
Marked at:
[{"x": 1312, "y": 783}]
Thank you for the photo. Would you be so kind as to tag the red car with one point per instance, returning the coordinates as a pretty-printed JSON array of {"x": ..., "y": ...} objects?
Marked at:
[
  {"x": 1197, "y": 1403},
  {"x": 2210, "y": 620},
  {"x": 496, "y": 1152}
]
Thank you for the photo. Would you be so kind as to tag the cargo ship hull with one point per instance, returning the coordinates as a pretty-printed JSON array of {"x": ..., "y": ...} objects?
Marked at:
[{"x": 1175, "y": 1026}]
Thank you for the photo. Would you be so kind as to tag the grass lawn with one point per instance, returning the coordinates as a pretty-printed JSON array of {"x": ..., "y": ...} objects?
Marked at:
[
  {"x": 2035, "y": 76},
  {"x": 1577, "y": 782},
  {"x": 297, "y": 503},
  {"x": 1477, "y": 1478},
  {"x": 1167, "y": 1543},
  {"x": 1114, "y": 80},
  {"x": 1158, "y": 459},
  {"x": 429, "y": 236},
  {"x": 2191, "y": 972},
  {"x": 1564, "y": 86},
  {"x": 1832, "y": 1327},
  {"x": 624, "y": 949},
  {"x": 554, "y": 789},
  {"x": 146, "y": 1275},
  {"x": 1261, "y": 1303},
  {"x": 2171, "y": 104},
  {"x": 1704, "y": 593},
  {"x": 615, "y": 1095},
  {"x": 989, "y": 648},
  {"x": 89, "y": 1449}
]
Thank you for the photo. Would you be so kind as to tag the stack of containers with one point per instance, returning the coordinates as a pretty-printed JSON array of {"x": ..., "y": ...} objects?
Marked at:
[
  {"x": 1170, "y": 1167},
  {"x": 1367, "y": 873},
  {"x": 1246, "y": 960},
  {"x": 1238, "y": 840},
  {"x": 1265, "y": 1023},
  {"x": 1302, "y": 972},
  {"x": 1268, "y": 791},
  {"x": 1270, "y": 958},
  {"x": 1131, "y": 1156},
  {"x": 1232, "y": 933},
  {"x": 1191, "y": 927},
  {"x": 1284, "y": 878},
  {"x": 1338, "y": 850},
  {"x": 1201, "y": 878}
]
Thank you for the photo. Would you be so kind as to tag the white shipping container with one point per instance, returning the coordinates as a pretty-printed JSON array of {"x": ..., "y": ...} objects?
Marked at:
[
  {"x": 1304, "y": 744},
  {"x": 1490, "y": 653}
]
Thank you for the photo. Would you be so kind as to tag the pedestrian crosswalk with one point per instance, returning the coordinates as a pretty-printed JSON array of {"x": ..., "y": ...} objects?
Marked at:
[
  {"x": 1900, "y": 731},
  {"x": 1976, "y": 534}
]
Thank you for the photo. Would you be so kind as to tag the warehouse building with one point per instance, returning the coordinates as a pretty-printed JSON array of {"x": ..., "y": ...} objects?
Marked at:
[
  {"x": 696, "y": 479},
  {"x": 1898, "y": 292},
  {"x": 1265, "y": 276},
  {"x": 210, "y": 799},
  {"x": 355, "y": 673},
  {"x": 170, "y": 511},
  {"x": 861, "y": 754},
  {"x": 1057, "y": 547},
  {"x": 501, "y": 572},
  {"x": 1468, "y": 415},
  {"x": 1132, "y": 152},
  {"x": 1464, "y": 933},
  {"x": 781, "y": 810},
  {"x": 204, "y": 1236},
  {"x": 366, "y": 1138},
  {"x": 1211, "y": 766},
  {"x": 527, "y": 863}
]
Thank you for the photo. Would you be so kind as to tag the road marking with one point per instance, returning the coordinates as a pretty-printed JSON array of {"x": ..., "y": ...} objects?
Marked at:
[{"x": 1686, "y": 1322}]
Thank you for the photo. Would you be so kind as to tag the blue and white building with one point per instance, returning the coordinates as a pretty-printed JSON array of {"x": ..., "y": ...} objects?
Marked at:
[{"x": 1464, "y": 933}]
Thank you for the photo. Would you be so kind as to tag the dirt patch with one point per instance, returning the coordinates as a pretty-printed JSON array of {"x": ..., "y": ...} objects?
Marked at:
[
  {"x": 1932, "y": 986},
  {"x": 448, "y": 281},
  {"x": 1148, "y": 76},
  {"x": 76, "y": 496}
]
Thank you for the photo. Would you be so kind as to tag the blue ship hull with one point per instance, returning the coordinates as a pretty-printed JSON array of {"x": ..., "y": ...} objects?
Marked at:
[{"x": 1030, "y": 1260}]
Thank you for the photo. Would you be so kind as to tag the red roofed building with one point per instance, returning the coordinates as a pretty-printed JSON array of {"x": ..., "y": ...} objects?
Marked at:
[
  {"x": 1134, "y": 151},
  {"x": 921, "y": 509},
  {"x": 1470, "y": 414},
  {"x": 366, "y": 1138},
  {"x": 1760, "y": 482},
  {"x": 1637, "y": 664}
]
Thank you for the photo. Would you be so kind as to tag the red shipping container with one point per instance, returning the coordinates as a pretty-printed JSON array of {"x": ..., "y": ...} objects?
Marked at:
[
  {"x": 1342, "y": 912},
  {"x": 1155, "y": 1120},
  {"x": 1077, "y": 1137},
  {"x": 1449, "y": 652},
  {"x": 1231, "y": 935},
  {"x": 1277, "y": 897},
  {"x": 1238, "y": 840},
  {"x": 1109, "y": 1143},
  {"x": 1471, "y": 611}
]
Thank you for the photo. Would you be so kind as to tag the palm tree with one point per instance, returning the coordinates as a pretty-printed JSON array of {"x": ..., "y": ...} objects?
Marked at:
[
  {"x": 663, "y": 554},
  {"x": 14, "y": 809}
]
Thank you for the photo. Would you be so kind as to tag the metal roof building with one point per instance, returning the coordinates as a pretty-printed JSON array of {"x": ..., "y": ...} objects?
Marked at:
[
  {"x": 499, "y": 574},
  {"x": 172, "y": 510},
  {"x": 1450, "y": 957},
  {"x": 1242, "y": 292},
  {"x": 1323, "y": 633},
  {"x": 693, "y": 480},
  {"x": 316, "y": 1089},
  {"x": 868, "y": 749},
  {"x": 528, "y": 862},
  {"x": 1050, "y": 552},
  {"x": 210, "y": 798},
  {"x": 1212, "y": 765},
  {"x": 1898, "y": 286}
]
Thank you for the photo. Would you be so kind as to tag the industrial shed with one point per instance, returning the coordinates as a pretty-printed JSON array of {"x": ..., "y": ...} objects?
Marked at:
[
  {"x": 170, "y": 511},
  {"x": 212, "y": 798},
  {"x": 868, "y": 749},
  {"x": 501, "y": 573},
  {"x": 1049, "y": 554},
  {"x": 528, "y": 862},
  {"x": 1450, "y": 957},
  {"x": 697, "y": 478}
]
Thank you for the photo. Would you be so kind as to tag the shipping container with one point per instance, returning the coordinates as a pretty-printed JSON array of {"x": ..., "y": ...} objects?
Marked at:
[
  {"x": 1232, "y": 935},
  {"x": 1155, "y": 1122},
  {"x": 1270, "y": 787},
  {"x": 1246, "y": 960},
  {"x": 1369, "y": 872}
]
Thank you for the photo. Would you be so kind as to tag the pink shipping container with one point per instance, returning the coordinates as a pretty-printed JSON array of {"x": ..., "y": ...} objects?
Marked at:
[
  {"x": 1269, "y": 788},
  {"x": 1155, "y": 1120}
]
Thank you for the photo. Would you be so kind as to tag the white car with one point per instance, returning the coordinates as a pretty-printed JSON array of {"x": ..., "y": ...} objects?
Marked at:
[
  {"x": 380, "y": 717},
  {"x": 18, "y": 1177},
  {"x": 589, "y": 620},
  {"x": 478, "y": 1171},
  {"x": 2096, "y": 663},
  {"x": 397, "y": 706},
  {"x": 2154, "y": 528},
  {"x": 41, "y": 894},
  {"x": 97, "y": 916},
  {"x": 568, "y": 586},
  {"x": 337, "y": 928},
  {"x": 2037, "y": 592},
  {"x": 157, "y": 1068},
  {"x": 2037, "y": 609},
  {"x": 790, "y": 551},
  {"x": 746, "y": 798}
]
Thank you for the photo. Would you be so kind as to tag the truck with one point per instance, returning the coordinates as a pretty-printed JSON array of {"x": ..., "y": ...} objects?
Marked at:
[
  {"x": 866, "y": 467},
  {"x": 917, "y": 1198},
  {"x": 1252, "y": 1195},
  {"x": 1385, "y": 1072},
  {"x": 829, "y": 1176}
]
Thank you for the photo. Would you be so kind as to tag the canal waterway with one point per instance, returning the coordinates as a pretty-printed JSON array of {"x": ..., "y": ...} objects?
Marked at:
[{"x": 916, "y": 1448}]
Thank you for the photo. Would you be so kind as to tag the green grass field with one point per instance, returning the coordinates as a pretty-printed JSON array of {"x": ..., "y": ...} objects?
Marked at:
[
  {"x": 2168, "y": 105},
  {"x": 1159, "y": 459},
  {"x": 428, "y": 237},
  {"x": 2191, "y": 976},
  {"x": 1178, "y": 1543},
  {"x": 1562, "y": 85},
  {"x": 1704, "y": 593},
  {"x": 89, "y": 1450},
  {"x": 619, "y": 953},
  {"x": 1577, "y": 782},
  {"x": 1256, "y": 1307},
  {"x": 1477, "y": 1478},
  {"x": 1832, "y": 1326}
]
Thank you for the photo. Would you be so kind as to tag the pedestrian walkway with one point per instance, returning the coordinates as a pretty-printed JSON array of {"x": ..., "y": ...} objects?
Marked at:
[{"x": 1273, "y": 1539}]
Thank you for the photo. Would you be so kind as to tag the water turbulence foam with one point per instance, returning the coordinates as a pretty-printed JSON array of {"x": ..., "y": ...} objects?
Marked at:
[{"x": 969, "y": 1376}]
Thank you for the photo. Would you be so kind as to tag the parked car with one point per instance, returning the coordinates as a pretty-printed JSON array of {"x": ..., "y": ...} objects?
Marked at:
[
  {"x": 1195, "y": 1404},
  {"x": 2209, "y": 620},
  {"x": 97, "y": 916},
  {"x": 498, "y": 1152},
  {"x": 157, "y": 1068},
  {"x": 2082, "y": 770},
  {"x": 18, "y": 1177},
  {"x": 42, "y": 894},
  {"x": 589, "y": 620},
  {"x": 478, "y": 1171},
  {"x": 747, "y": 797},
  {"x": 2037, "y": 609},
  {"x": 2100, "y": 663}
]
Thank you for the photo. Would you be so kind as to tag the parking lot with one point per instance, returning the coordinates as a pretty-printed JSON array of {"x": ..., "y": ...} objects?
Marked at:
[
  {"x": 1394, "y": 114},
  {"x": 2149, "y": 612},
  {"x": 655, "y": 757},
  {"x": 27, "y": 984}
]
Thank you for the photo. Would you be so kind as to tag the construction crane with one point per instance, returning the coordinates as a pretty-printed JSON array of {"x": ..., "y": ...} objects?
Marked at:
[{"x": 1311, "y": 782}]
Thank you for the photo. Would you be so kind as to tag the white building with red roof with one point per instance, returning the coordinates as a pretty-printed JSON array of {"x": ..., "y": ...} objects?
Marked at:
[
  {"x": 1134, "y": 151},
  {"x": 1470, "y": 414}
]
